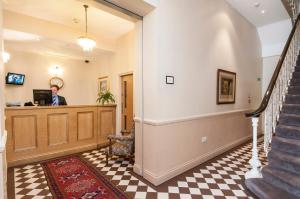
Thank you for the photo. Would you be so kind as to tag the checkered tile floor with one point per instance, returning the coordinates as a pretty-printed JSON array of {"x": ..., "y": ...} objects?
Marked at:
[{"x": 223, "y": 177}]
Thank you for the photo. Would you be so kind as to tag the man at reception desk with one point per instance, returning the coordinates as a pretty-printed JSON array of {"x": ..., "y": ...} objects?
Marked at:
[{"x": 57, "y": 99}]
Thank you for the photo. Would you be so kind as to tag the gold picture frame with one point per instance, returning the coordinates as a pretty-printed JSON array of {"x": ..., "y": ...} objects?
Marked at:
[
  {"x": 226, "y": 87},
  {"x": 103, "y": 84}
]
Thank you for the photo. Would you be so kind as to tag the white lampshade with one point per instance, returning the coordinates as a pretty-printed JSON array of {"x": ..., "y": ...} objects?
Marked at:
[
  {"x": 5, "y": 57},
  {"x": 86, "y": 43}
]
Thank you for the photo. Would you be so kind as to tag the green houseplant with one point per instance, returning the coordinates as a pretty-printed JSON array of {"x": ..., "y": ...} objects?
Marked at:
[{"x": 105, "y": 97}]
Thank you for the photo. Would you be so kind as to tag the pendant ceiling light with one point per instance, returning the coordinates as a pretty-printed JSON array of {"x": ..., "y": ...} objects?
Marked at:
[{"x": 85, "y": 42}]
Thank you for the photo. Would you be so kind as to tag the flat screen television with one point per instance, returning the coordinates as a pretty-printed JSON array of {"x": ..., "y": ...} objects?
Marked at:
[{"x": 15, "y": 79}]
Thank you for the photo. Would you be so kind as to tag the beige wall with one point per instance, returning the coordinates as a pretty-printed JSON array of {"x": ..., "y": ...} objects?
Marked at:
[
  {"x": 173, "y": 147},
  {"x": 191, "y": 41},
  {"x": 2, "y": 76},
  {"x": 79, "y": 77},
  {"x": 123, "y": 61},
  {"x": 3, "y": 165},
  {"x": 269, "y": 65},
  {"x": 273, "y": 44}
]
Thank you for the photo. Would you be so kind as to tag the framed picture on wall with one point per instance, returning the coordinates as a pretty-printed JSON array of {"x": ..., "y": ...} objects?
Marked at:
[
  {"x": 103, "y": 84},
  {"x": 226, "y": 87}
]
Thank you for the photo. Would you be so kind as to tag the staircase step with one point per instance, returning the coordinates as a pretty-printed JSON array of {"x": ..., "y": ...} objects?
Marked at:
[
  {"x": 290, "y": 132},
  {"x": 292, "y": 99},
  {"x": 291, "y": 146},
  {"x": 294, "y": 90},
  {"x": 264, "y": 190},
  {"x": 295, "y": 82},
  {"x": 291, "y": 109},
  {"x": 297, "y": 68},
  {"x": 282, "y": 179},
  {"x": 296, "y": 74},
  {"x": 289, "y": 119},
  {"x": 284, "y": 161}
]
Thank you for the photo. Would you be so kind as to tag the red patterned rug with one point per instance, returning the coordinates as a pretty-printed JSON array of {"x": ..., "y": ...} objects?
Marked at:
[{"x": 73, "y": 177}]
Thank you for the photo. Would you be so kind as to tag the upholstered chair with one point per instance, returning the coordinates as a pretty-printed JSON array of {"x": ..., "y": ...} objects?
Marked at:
[{"x": 121, "y": 145}]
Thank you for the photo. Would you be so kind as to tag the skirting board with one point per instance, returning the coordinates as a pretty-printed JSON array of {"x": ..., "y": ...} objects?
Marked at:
[
  {"x": 46, "y": 156},
  {"x": 159, "y": 179}
]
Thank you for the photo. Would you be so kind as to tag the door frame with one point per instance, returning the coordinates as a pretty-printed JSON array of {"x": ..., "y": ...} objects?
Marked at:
[{"x": 120, "y": 94}]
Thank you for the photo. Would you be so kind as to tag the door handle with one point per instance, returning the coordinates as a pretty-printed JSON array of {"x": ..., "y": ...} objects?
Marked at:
[{"x": 125, "y": 93}]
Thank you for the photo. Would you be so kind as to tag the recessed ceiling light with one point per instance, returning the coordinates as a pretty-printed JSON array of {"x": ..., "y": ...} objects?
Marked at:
[
  {"x": 256, "y": 4},
  {"x": 262, "y": 11}
]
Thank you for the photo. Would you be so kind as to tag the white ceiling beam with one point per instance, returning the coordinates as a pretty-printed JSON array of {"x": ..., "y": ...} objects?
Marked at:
[
  {"x": 139, "y": 7},
  {"x": 132, "y": 10}
]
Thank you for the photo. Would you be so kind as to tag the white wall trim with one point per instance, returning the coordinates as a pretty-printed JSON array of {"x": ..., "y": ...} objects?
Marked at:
[
  {"x": 3, "y": 142},
  {"x": 159, "y": 179},
  {"x": 186, "y": 119}
]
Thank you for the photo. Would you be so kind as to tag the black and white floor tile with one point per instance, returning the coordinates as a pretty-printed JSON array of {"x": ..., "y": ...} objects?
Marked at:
[{"x": 222, "y": 177}]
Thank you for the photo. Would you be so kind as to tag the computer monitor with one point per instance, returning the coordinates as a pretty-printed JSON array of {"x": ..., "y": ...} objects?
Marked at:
[{"x": 42, "y": 97}]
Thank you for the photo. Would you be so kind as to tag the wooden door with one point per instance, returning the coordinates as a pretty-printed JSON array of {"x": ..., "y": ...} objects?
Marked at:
[{"x": 127, "y": 102}]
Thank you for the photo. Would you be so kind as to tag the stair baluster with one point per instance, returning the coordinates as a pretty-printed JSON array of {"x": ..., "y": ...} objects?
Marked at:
[{"x": 254, "y": 161}]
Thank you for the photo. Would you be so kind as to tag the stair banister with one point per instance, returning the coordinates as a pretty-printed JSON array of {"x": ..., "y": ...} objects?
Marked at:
[
  {"x": 274, "y": 97},
  {"x": 292, "y": 7}
]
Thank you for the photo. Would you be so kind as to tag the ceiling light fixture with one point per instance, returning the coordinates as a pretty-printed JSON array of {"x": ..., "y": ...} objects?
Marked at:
[
  {"x": 262, "y": 11},
  {"x": 5, "y": 56},
  {"x": 256, "y": 4},
  {"x": 85, "y": 42}
]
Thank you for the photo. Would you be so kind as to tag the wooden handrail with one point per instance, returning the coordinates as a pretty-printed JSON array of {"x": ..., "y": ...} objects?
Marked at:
[{"x": 272, "y": 83}]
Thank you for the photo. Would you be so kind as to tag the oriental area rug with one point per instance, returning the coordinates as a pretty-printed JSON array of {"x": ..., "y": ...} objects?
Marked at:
[{"x": 72, "y": 177}]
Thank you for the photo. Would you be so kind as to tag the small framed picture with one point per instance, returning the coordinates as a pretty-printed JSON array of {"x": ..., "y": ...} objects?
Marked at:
[
  {"x": 103, "y": 84},
  {"x": 226, "y": 87},
  {"x": 169, "y": 79}
]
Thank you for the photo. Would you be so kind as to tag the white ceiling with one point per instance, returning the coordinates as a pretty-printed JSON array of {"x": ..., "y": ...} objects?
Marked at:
[
  {"x": 274, "y": 11},
  {"x": 13, "y": 35},
  {"x": 51, "y": 47},
  {"x": 100, "y": 23}
]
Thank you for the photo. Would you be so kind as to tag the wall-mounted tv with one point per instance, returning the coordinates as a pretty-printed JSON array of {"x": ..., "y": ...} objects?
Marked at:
[{"x": 15, "y": 79}]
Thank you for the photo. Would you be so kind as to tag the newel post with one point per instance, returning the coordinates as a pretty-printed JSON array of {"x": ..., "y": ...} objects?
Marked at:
[{"x": 255, "y": 171}]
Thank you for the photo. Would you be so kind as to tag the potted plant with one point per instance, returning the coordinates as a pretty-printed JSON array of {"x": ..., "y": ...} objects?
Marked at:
[{"x": 105, "y": 97}]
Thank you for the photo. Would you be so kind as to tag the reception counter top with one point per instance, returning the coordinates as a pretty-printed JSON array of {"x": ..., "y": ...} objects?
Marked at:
[
  {"x": 36, "y": 133},
  {"x": 57, "y": 107}
]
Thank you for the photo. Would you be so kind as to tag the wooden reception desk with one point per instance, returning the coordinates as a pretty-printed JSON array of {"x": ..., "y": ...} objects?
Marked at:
[{"x": 38, "y": 133}]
